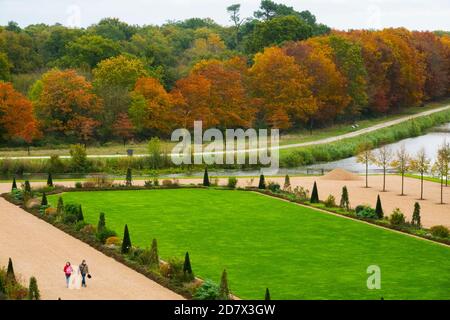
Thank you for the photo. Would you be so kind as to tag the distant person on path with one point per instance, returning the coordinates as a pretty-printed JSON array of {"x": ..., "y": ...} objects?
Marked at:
[
  {"x": 84, "y": 270},
  {"x": 68, "y": 272}
]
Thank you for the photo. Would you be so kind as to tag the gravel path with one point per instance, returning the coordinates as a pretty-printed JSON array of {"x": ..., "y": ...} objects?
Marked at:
[{"x": 41, "y": 250}]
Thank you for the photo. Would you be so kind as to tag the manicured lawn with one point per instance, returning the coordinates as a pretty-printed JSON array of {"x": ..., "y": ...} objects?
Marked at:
[{"x": 297, "y": 252}]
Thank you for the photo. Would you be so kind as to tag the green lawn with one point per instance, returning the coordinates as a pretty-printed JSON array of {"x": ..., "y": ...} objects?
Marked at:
[{"x": 297, "y": 252}]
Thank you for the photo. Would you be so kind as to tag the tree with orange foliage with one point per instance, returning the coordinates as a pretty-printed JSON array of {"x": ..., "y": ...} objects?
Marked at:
[
  {"x": 16, "y": 115},
  {"x": 67, "y": 106},
  {"x": 281, "y": 89},
  {"x": 150, "y": 106},
  {"x": 227, "y": 99},
  {"x": 328, "y": 85},
  {"x": 123, "y": 128}
]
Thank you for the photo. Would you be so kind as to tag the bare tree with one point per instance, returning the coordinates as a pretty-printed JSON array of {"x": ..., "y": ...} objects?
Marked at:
[
  {"x": 235, "y": 17},
  {"x": 421, "y": 164},
  {"x": 401, "y": 164},
  {"x": 365, "y": 156},
  {"x": 440, "y": 166},
  {"x": 383, "y": 159}
]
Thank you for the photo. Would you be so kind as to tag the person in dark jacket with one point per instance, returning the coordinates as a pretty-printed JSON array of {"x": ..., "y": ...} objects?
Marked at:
[{"x": 84, "y": 270}]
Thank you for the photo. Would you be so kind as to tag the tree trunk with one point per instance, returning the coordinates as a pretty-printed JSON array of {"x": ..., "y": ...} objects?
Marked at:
[
  {"x": 403, "y": 182},
  {"x": 442, "y": 190},
  {"x": 384, "y": 179},
  {"x": 421, "y": 186},
  {"x": 367, "y": 173}
]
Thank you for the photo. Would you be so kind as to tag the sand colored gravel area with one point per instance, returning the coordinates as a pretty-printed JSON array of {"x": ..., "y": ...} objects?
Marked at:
[
  {"x": 41, "y": 250},
  {"x": 341, "y": 175}
]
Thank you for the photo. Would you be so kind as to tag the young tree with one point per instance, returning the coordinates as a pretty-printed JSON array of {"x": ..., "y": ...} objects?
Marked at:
[
  {"x": 314, "y": 194},
  {"x": 262, "y": 182},
  {"x": 416, "y": 215},
  {"x": 365, "y": 156},
  {"x": 383, "y": 159},
  {"x": 44, "y": 201},
  {"x": 128, "y": 180},
  {"x": 187, "y": 269},
  {"x": 126, "y": 242},
  {"x": 101, "y": 226},
  {"x": 379, "y": 208},
  {"x": 123, "y": 127},
  {"x": 33, "y": 290},
  {"x": 14, "y": 184},
  {"x": 154, "y": 257},
  {"x": 10, "y": 276},
  {"x": 235, "y": 17},
  {"x": 60, "y": 206},
  {"x": 420, "y": 163},
  {"x": 267, "y": 296},
  {"x": 287, "y": 182},
  {"x": 50, "y": 180},
  {"x": 441, "y": 166},
  {"x": 224, "y": 291},
  {"x": 345, "y": 202},
  {"x": 401, "y": 164}
]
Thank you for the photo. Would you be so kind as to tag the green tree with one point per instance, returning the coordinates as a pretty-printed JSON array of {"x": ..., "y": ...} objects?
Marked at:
[
  {"x": 44, "y": 201},
  {"x": 416, "y": 215},
  {"x": 383, "y": 159},
  {"x": 33, "y": 290},
  {"x": 379, "y": 208},
  {"x": 50, "y": 180},
  {"x": 267, "y": 296},
  {"x": 345, "y": 203},
  {"x": 129, "y": 178},
  {"x": 126, "y": 242},
  {"x": 187, "y": 269},
  {"x": 401, "y": 164},
  {"x": 206, "y": 182},
  {"x": 10, "y": 276},
  {"x": 80, "y": 216},
  {"x": 101, "y": 225},
  {"x": 155, "y": 150},
  {"x": 235, "y": 17},
  {"x": 14, "y": 184},
  {"x": 224, "y": 291},
  {"x": 365, "y": 156},
  {"x": 78, "y": 157},
  {"x": 441, "y": 166},
  {"x": 5, "y": 67},
  {"x": 314, "y": 194},
  {"x": 421, "y": 164},
  {"x": 262, "y": 182}
]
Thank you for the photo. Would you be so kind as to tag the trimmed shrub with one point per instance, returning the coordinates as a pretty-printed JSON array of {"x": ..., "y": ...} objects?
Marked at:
[
  {"x": 88, "y": 229},
  {"x": 262, "y": 182},
  {"x": 154, "y": 257},
  {"x": 60, "y": 206},
  {"x": 126, "y": 243},
  {"x": 209, "y": 290},
  {"x": 105, "y": 234},
  {"x": 27, "y": 187},
  {"x": 80, "y": 216},
  {"x": 78, "y": 185},
  {"x": 51, "y": 212},
  {"x": 187, "y": 269},
  {"x": 440, "y": 231},
  {"x": 224, "y": 291},
  {"x": 10, "y": 276},
  {"x": 167, "y": 183},
  {"x": 379, "y": 209},
  {"x": 206, "y": 178},
  {"x": 345, "y": 202},
  {"x": 113, "y": 240},
  {"x": 315, "y": 194},
  {"x": 267, "y": 296},
  {"x": 101, "y": 222},
  {"x": 14, "y": 184},
  {"x": 360, "y": 208},
  {"x": 416, "y": 215},
  {"x": 232, "y": 182},
  {"x": 367, "y": 213},
  {"x": 330, "y": 202},
  {"x": 44, "y": 201},
  {"x": 397, "y": 217},
  {"x": 274, "y": 187},
  {"x": 50, "y": 180},
  {"x": 33, "y": 290},
  {"x": 128, "y": 180}
]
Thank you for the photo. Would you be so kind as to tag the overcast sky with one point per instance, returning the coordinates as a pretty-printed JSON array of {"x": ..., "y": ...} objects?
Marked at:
[{"x": 340, "y": 14}]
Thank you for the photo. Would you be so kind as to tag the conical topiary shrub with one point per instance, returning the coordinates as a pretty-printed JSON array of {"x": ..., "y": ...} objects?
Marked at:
[
  {"x": 44, "y": 201},
  {"x": 379, "y": 208},
  {"x": 27, "y": 187},
  {"x": 126, "y": 243},
  {"x": 80, "y": 216},
  {"x": 206, "y": 182},
  {"x": 224, "y": 291},
  {"x": 267, "y": 296},
  {"x": 314, "y": 194},
  {"x": 50, "y": 180},
  {"x": 187, "y": 269},
  {"x": 10, "y": 276},
  {"x": 60, "y": 206},
  {"x": 262, "y": 182},
  {"x": 101, "y": 226},
  {"x": 154, "y": 257},
  {"x": 129, "y": 178},
  {"x": 14, "y": 184},
  {"x": 33, "y": 290}
]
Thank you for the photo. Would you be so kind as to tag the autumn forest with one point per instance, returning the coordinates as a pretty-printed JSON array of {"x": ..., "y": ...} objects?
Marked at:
[{"x": 277, "y": 69}]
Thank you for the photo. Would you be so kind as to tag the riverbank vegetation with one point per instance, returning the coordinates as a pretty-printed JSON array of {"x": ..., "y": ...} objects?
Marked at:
[{"x": 279, "y": 69}]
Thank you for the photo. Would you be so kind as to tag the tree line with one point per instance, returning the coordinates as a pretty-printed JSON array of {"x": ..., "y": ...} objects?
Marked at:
[{"x": 113, "y": 80}]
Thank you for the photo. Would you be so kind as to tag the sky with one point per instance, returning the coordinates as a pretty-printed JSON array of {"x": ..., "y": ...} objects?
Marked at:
[{"x": 338, "y": 14}]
